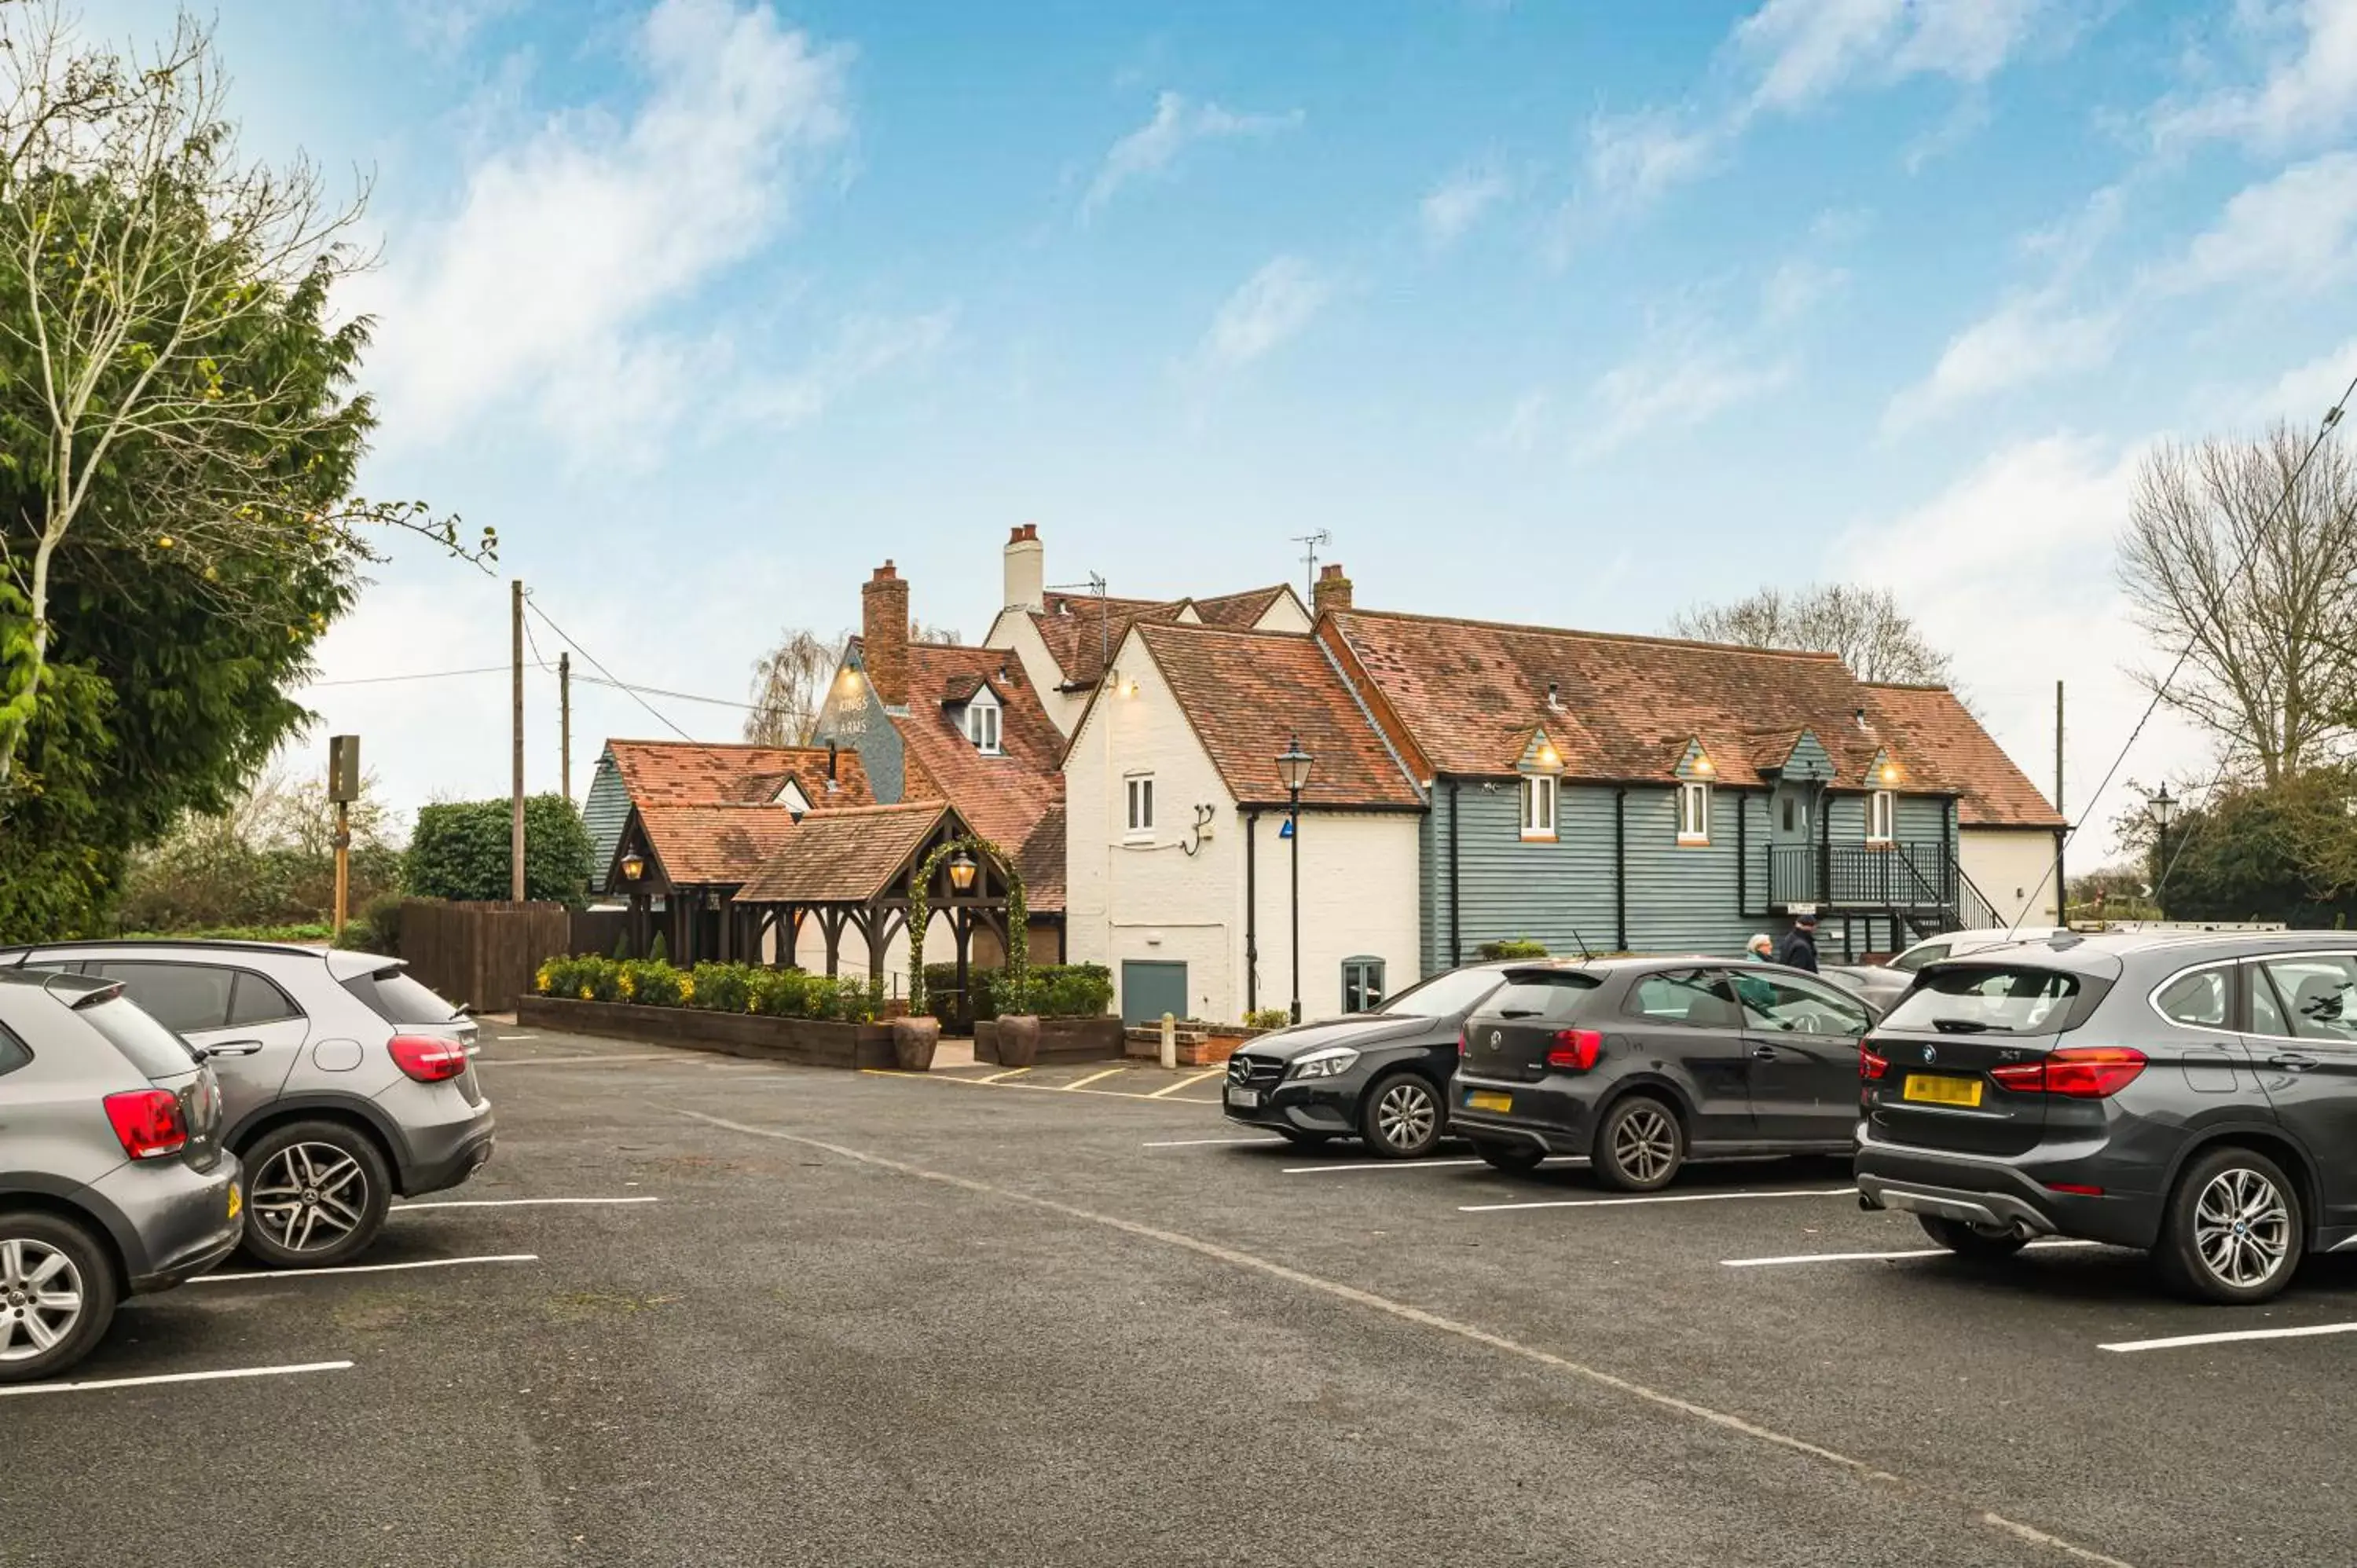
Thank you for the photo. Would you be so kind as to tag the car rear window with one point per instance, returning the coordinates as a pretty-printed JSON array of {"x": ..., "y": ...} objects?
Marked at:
[
  {"x": 154, "y": 1050},
  {"x": 1544, "y": 997},
  {"x": 12, "y": 1054},
  {"x": 1442, "y": 997},
  {"x": 394, "y": 997},
  {"x": 1988, "y": 999}
]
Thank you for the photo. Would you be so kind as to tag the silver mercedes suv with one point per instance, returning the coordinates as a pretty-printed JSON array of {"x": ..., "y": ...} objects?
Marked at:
[
  {"x": 343, "y": 1081},
  {"x": 113, "y": 1178}
]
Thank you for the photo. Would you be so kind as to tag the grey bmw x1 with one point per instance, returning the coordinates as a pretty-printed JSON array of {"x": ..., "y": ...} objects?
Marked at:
[{"x": 2194, "y": 1095}]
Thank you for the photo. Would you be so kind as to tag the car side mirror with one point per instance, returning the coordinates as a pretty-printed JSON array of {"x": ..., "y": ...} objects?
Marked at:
[{"x": 227, "y": 1049}]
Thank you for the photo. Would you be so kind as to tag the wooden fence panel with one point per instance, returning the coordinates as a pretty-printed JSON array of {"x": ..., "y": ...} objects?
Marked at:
[
  {"x": 596, "y": 931},
  {"x": 482, "y": 955}
]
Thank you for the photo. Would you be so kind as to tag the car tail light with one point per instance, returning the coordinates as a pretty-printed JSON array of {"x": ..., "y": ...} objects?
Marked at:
[
  {"x": 1870, "y": 1066},
  {"x": 1465, "y": 1041},
  {"x": 426, "y": 1058},
  {"x": 1575, "y": 1048},
  {"x": 149, "y": 1123},
  {"x": 2075, "y": 1188},
  {"x": 2082, "y": 1072}
]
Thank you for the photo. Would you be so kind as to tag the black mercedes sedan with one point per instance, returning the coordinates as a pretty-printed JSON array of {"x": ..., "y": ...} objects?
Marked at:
[
  {"x": 1379, "y": 1076},
  {"x": 1640, "y": 1064}
]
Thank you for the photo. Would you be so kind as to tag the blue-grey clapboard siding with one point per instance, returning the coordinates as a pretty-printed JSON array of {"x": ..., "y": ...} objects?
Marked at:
[
  {"x": 1681, "y": 898},
  {"x": 604, "y": 813},
  {"x": 859, "y": 723}
]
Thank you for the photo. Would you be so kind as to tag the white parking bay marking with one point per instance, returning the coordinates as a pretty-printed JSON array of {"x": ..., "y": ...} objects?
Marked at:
[
  {"x": 515, "y": 1037},
  {"x": 1874, "y": 1257},
  {"x": 2185, "y": 1341},
  {"x": 1378, "y": 1165},
  {"x": 225, "y": 1374},
  {"x": 575, "y": 1062},
  {"x": 1657, "y": 1197},
  {"x": 517, "y": 1203},
  {"x": 361, "y": 1269},
  {"x": 1170, "y": 1089},
  {"x": 1199, "y": 1142},
  {"x": 1092, "y": 1078}
]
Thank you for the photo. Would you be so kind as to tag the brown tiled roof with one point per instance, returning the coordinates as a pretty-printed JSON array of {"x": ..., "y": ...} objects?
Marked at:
[
  {"x": 1004, "y": 798},
  {"x": 1247, "y": 693},
  {"x": 715, "y": 845},
  {"x": 842, "y": 857},
  {"x": 1470, "y": 693},
  {"x": 700, "y": 773},
  {"x": 1238, "y": 611},
  {"x": 1934, "y": 731}
]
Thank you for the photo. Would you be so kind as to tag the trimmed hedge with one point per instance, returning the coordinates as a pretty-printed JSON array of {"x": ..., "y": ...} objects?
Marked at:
[
  {"x": 1520, "y": 947},
  {"x": 461, "y": 851},
  {"x": 712, "y": 987},
  {"x": 1054, "y": 990}
]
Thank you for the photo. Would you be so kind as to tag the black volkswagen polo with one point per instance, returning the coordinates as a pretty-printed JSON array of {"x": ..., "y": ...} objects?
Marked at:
[
  {"x": 1380, "y": 1076},
  {"x": 1642, "y": 1063}
]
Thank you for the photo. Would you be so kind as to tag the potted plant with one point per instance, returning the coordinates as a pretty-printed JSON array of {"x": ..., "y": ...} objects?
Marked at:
[
  {"x": 1018, "y": 1030},
  {"x": 913, "y": 1040}
]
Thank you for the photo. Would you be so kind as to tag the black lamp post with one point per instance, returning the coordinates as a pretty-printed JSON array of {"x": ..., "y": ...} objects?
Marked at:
[
  {"x": 1293, "y": 770},
  {"x": 2164, "y": 812}
]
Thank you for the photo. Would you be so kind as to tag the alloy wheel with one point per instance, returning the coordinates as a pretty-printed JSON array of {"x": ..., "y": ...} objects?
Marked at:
[
  {"x": 2242, "y": 1228},
  {"x": 40, "y": 1297},
  {"x": 309, "y": 1196},
  {"x": 1644, "y": 1143},
  {"x": 1405, "y": 1114}
]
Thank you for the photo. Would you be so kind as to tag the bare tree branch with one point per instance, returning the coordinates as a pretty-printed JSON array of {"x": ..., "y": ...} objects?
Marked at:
[{"x": 1864, "y": 626}]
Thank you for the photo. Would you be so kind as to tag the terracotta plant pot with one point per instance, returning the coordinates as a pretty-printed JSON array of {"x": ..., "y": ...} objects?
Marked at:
[
  {"x": 913, "y": 1040},
  {"x": 1019, "y": 1039}
]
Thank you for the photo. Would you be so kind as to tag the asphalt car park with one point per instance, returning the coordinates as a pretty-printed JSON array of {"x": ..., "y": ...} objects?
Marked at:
[{"x": 981, "y": 1316}]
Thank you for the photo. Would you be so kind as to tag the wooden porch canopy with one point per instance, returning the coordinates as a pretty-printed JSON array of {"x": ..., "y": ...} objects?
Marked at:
[
  {"x": 694, "y": 858},
  {"x": 858, "y": 869}
]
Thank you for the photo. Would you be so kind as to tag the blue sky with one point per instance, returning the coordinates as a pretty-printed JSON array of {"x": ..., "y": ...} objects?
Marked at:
[{"x": 1564, "y": 313}]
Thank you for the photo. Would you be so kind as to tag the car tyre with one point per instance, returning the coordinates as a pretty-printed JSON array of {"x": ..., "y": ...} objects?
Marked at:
[
  {"x": 2232, "y": 1232},
  {"x": 1638, "y": 1146},
  {"x": 55, "y": 1282},
  {"x": 1306, "y": 1140},
  {"x": 1401, "y": 1118},
  {"x": 1514, "y": 1159},
  {"x": 1970, "y": 1241},
  {"x": 316, "y": 1194}
]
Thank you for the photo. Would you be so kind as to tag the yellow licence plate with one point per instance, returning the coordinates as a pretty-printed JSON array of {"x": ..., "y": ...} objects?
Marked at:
[
  {"x": 236, "y": 1201},
  {"x": 1479, "y": 1101},
  {"x": 1939, "y": 1089}
]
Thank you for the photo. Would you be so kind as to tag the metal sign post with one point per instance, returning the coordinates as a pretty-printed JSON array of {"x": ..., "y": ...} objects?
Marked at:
[{"x": 343, "y": 789}]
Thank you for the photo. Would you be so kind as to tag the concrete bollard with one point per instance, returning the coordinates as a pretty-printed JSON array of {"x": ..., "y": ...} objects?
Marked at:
[{"x": 1169, "y": 1041}]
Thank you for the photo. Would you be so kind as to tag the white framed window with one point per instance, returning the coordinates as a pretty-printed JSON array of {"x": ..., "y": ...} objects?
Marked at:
[
  {"x": 1141, "y": 805},
  {"x": 1881, "y": 816},
  {"x": 1538, "y": 805},
  {"x": 1362, "y": 984},
  {"x": 982, "y": 723},
  {"x": 1693, "y": 811}
]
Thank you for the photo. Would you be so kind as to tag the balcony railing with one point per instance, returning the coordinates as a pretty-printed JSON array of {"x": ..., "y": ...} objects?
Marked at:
[{"x": 1854, "y": 876}]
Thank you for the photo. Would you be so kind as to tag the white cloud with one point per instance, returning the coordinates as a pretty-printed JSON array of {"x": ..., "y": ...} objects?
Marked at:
[
  {"x": 1798, "y": 287},
  {"x": 1633, "y": 158},
  {"x": 1809, "y": 49},
  {"x": 1677, "y": 383},
  {"x": 567, "y": 246},
  {"x": 2298, "y": 229},
  {"x": 2308, "y": 93},
  {"x": 2303, "y": 393},
  {"x": 865, "y": 348},
  {"x": 446, "y": 26},
  {"x": 2026, "y": 591},
  {"x": 2026, "y": 339},
  {"x": 1177, "y": 124},
  {"x": 1458, "y": 202},
  {"x": 1272, "y": 306}
]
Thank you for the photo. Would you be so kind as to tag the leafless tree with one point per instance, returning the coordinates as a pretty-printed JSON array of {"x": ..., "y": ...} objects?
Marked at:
[
  {"x": 2226, "y": 553},
  {"x": 1865, "y": 625},
  {"x": 946, "y": 635},
  {"x": 146, "y": 276},
  {"x": 789, "y": 684}
]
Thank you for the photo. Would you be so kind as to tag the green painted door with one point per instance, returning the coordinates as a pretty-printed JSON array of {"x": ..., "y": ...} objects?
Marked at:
[{"x": 1150, "y": 988}]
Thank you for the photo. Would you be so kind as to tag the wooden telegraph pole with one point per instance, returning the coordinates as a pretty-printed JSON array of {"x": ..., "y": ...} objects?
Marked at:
[
  {"x": 343, "y": 789},
  {"x": 515, "y": 805},
  {"x": 565, "y": 722}
]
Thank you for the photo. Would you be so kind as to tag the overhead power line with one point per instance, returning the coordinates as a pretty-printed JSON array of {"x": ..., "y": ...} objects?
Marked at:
[
  {"x": 421, "y": 675},
  {"x": 611, "y": 679}
]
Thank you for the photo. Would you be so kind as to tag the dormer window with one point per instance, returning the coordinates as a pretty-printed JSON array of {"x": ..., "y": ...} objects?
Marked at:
[
  {"x": 789, "y": 795},
  {"x": 982, "y": 716}
]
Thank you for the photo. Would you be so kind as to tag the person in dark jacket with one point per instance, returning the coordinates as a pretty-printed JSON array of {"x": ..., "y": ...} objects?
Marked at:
[{"x": 1799, "y": 948}]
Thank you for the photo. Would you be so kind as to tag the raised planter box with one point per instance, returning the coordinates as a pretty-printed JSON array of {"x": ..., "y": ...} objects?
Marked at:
[
  {"x": 1198, "y": 1045},
  {"x": 1060, "y": 1040},
  {"x": 804, "y": 1042}
]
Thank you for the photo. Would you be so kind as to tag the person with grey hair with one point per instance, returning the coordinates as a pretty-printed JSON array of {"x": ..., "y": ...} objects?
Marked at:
[{"x": 1762, "y": 947}]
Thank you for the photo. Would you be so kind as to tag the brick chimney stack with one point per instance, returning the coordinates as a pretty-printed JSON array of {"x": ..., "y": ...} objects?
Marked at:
[
  {"x": 884, "y": 634},
  {"x": 1026, "y": 569},
  {"x": 1333, "y": 591}
]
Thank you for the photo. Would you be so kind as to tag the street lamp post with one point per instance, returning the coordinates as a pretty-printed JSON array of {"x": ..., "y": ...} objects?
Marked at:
[
  {"x": 2164, "y": 812},
  {"x": 1293, "y": 770}
]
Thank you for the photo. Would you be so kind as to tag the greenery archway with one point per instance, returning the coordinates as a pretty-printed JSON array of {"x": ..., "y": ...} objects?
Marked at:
[{"x": 921, "y": 914}]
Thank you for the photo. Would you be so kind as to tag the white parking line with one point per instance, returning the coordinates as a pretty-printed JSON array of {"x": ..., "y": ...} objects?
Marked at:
[
  {"x": 94, "y": 1384},
  {"x": 516, "y": 1203},
  {"x": 1659, "y": 1197},
  {"x": 1092, "y": 1078},
  {"x": 1197, "y": 1143},
  {"x": 1873, "y": 1257},
  {"x": 361, "y": 1269},
  {"x": 1378, "y": 1165},
  {"x": 1186, "y": 1083},
  {"x": 515, "y": 1037},
  {"x": 2183, "y": 1341}
]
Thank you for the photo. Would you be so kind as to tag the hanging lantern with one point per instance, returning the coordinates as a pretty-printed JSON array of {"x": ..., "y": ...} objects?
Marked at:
[{"x": 962, "y": 869}]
